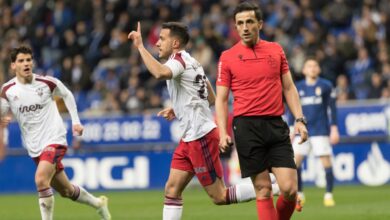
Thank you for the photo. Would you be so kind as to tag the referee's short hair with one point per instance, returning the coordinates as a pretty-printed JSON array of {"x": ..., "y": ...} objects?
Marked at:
[{"x": 248, "y": 6}]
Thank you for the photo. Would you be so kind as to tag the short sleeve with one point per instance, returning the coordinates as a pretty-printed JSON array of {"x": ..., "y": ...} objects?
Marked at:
[
  {"x": 224, "y": 74},
  {"x": 283, "y": 62},
  {"x": 176, "y": 64}
]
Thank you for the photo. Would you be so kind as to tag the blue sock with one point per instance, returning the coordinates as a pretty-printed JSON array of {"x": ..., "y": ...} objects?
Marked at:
[
  {"x": 300, "y": 184},
  {"x": 329, "y": 179}
]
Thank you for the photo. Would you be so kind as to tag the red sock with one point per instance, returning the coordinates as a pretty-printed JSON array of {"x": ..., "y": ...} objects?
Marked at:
[
  {"x": 265, "y": 209},
  {"x": 285, "y": 208}
]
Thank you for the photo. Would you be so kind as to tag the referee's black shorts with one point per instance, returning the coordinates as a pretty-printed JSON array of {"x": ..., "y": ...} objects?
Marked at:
[{"x": 262, "y": 142}]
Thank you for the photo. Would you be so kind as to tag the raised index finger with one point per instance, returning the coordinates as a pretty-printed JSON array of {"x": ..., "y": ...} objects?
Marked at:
[{"x": 139, "y": 27}]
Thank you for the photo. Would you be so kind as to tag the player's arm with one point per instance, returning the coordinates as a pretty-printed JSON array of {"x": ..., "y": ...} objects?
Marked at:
[
  {"x": 290, "y": 122},
  {"x": 70, "y": 104},
  {"x": 222, "y": 101},
  {"x": 334, "y": 135},
  {"x": 158, "y": 70},
  {"x": 222, "y": 111},
  {"x": 167, "y": 113},
  {"x": 292, "y": 98},
  {"x": 211, "y": 93},
  {"x": 4, "y": 121}
]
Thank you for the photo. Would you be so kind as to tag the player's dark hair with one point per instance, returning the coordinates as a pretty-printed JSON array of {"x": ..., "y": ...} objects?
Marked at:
[
  {"x": 310, "y": 58},
  {"x": 248, "y": 6},
  {"x": 178, "y": 30},
  {"x": 22, "y": 49}
]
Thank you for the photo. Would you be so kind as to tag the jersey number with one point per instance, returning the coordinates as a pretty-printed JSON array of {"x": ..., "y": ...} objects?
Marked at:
[{"x": 200, "y": 80}]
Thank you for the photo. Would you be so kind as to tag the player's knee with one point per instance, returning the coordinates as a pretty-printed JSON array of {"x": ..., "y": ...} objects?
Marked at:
[
  {"x": 263, "y": 191},
  {"x": 289, "y": 190},
  {"x": 66, "y": 193},
  {"x": 171, "y": 190},
  {"x": 42, "y": 182}
]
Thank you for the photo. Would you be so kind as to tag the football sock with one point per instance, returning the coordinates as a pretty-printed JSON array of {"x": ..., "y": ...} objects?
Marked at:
[
  {"x": 82, "y": 196},
  {"x": 265, "y": 209},
  {"x": 285, "y": 208},
  {"x": 173, "y": 208},
  {"x": 300, "y": 184},
  {"x": 240, "y": 193},
  {"x": 46, "y": 203},
  {"x": 275, "y": 189},
  {"x": 329, "y": 179}
]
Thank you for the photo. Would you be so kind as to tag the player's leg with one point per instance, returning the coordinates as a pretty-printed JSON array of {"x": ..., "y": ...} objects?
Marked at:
[
  {"x": 328, "y": 197},
  {"x": 287, "y": 180},
  {"x": 204, "y": 157},
  {"x": 62, "y": 185},
  {"x": 222, "y": 195},
  {"x": 174, "y": 187},
  {"x": 298, "y": 160},
  {"x": 253, "y": 153},
  {"x": 46, "y": 169},
  {"x": 300, "y": 152},
  {"x": 264, "y": 198},
  {"x": 281, "y": 159},
  {"x": 43, "y": 175},
  {"x": 180, "y": 175},
  {"x": 323, "y": 149}
]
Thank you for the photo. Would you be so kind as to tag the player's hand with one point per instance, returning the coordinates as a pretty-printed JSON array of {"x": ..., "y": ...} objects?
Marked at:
[
  {"x": 167, "y": 113},
  {"x": 2, "y": 150},
  {"x": 5, "y": 121},
  {"x": 136, "y": 36},
  {"x": 302, "y": 131},
  {"x": 334, "y": 135},
  {"x": 77, "y": 130},
  {"x": 225, "y": 142},
  {"x": 2, "y": 145}
]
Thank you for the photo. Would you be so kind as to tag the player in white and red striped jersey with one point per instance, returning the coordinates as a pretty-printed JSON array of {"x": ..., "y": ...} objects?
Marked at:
[
  {"x": 30, "y": 98},
  {"x": 191, "y": 95}
]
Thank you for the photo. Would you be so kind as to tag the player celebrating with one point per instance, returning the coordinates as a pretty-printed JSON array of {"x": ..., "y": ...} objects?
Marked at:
[
  {"x": 30, "y": 99},
  {"x": 191, "y": 94},
  {"x": 317, "y": 98}
]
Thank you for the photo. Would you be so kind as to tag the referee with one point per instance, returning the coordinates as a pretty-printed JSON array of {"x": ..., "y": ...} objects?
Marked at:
[{"x": 257, "y": 73}]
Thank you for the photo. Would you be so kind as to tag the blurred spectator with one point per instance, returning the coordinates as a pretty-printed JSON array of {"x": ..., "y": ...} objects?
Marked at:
[
  {"x": 85, "y": 43},
  {"x": 343, "y": 90},
  {"x": 376, "y": 86},
  {"x": 358, "y": 72}
]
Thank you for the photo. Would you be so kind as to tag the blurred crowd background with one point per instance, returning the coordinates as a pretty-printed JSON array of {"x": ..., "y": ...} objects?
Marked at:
[{"x": 84, "y": 43}]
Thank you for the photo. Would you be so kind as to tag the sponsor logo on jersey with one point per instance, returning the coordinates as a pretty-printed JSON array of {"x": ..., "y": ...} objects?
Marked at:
[
  {"x": 39, "y": 91},
  {"x": 318, "y": 91},
  {"x": 272, "y": 61},
  {"x": 30, "y": 108},
  {"x": 311, "y": 100}
]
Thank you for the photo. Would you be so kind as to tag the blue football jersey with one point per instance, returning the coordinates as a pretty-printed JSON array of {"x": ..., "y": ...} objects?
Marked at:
[{"x": 319, "y": 106}]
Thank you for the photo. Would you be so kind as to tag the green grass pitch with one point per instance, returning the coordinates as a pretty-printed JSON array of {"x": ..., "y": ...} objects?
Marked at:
[{"x": 352, "y": 202}]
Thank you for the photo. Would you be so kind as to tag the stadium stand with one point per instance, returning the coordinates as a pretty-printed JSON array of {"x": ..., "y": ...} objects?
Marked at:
[{"x": 85, "y": 44}]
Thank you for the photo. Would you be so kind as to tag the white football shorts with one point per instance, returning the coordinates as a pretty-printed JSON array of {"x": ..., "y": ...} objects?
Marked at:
[{"x": 320, "y": 145}]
